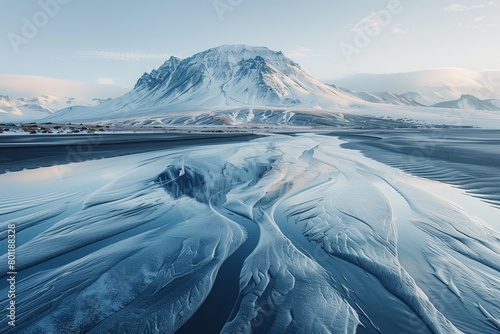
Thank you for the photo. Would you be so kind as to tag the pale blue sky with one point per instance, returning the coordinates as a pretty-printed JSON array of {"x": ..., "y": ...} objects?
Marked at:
[{"x": 115, "y": 41}]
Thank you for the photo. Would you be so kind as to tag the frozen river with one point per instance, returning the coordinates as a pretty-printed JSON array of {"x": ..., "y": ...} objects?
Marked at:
[{"x": 350, "y": 232}]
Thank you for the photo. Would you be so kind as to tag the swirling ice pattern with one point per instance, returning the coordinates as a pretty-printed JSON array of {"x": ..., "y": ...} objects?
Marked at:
[{"x": 345, "y": 245}]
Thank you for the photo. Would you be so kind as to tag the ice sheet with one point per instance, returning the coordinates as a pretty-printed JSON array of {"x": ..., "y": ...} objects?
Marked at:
[{"x": 345, "y": 244}]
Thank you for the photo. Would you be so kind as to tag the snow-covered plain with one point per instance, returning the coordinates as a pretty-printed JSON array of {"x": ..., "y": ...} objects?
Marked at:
[{"x": 344, "y": 244}]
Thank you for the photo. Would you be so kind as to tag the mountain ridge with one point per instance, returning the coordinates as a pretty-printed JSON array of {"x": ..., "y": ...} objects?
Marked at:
[
  {"x": 471, "y": 102},
  {"x": 429, "y": 87},
  {"x": 240, "y": 84},
  {"x": 221, "y": 77}
]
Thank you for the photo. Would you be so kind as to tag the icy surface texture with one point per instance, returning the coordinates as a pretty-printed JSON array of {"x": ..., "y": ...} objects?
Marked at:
[{"x": 343, "y": 244}]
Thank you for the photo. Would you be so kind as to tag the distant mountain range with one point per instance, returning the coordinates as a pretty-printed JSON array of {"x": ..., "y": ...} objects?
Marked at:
[
  {"x": 465, "y": 101},
  {"x": 34, "y": 108},
  {"x": 234, "y": 84},
  {"x": 27, "y": 97},
  {"x": 385, "y": 97},
  {"x": 429, "y": 87},
  {"x": 37, "y": 108}
]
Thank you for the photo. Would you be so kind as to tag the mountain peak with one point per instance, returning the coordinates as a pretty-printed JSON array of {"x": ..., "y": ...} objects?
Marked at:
[
  {"x": 468, "y": 97},
  {"x": 156, "y": 77},
  {"x": 235, "y": 53},
  {"x": 222, "y": 62},
  {"x": 239, "y": 48},
  {"x": 226, "y": 76}
]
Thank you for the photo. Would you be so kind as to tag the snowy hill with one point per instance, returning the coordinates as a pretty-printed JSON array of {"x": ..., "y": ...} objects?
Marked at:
[
  {"x": 385, "y": 97},
  {"x": 228, "y": 76},
  {"x": 418, "y": 98},
  {"x": 470, "y": 102}
]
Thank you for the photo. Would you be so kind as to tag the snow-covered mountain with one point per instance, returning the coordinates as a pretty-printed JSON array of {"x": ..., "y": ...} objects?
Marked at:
[
  {"x": 238, "y": 84},
  {"x": 418, "y": 98},
  {"x": 470, "y": 102},
  {"x": 224, "y": 77},
  {"x": 430, "y": 86}
]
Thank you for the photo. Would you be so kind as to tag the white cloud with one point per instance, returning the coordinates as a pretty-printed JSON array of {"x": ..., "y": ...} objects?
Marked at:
[
  {"x": 106, "y": 81},
  {"x": 103, "y": 54},
  {"x": 462, "y": 8},
  {"x": 303, "y": 52},
  {"x": 369, "y": 23},
  {"x": 398, "y": 30}
]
